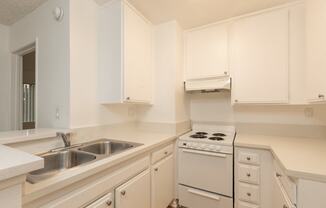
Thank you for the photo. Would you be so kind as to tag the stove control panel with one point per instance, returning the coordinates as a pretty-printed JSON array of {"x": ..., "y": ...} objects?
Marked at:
[{"x": 205, "y": 146}]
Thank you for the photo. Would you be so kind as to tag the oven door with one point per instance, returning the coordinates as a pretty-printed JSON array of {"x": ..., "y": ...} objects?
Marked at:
[{"x": 206, "y": 170}]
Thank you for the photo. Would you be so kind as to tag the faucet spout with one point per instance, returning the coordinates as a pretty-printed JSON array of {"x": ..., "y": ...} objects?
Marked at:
[{"x": 65, "y": 138}]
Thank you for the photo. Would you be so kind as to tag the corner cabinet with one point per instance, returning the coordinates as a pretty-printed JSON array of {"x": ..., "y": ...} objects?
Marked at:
[
  {"x": 315, "y": 50},
  {"x": 135, "y": 192},
  {"x": 259, "y": 56},
  {"x": 125, "y": 55},
  {"x": 206, "y": 51}
]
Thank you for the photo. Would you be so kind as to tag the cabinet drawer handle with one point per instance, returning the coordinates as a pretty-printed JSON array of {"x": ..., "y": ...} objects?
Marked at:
[
  {"x": 109, "y": 203},
  {"x": 285, "y": 206},
  {"x": 278, "y": 175},
  {"x": 123, "y": 193},
  {"x": 248, "y": 174},
  {"x": 248, "y": 194},
  {"x": 248, "y": 158},
  {"x": 320, "y": 96},
  {"x": 127, "y": 98},
  {"x": 166, "y": 152},
  {"x": 156, "y": 169},
  {"x": 203, "y": 194}
]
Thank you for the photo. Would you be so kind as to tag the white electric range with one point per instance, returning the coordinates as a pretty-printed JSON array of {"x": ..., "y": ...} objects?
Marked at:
[{"x": 205, "y": 167}]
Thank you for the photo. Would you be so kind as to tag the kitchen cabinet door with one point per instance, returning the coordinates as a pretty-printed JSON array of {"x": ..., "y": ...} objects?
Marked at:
[
  {"x": 207, "y": 52},
  {"x": 280, "y": 198},
  {"x": 104, "y": 202},
  {"x": 315, "y": 50},
  {"x": 259, "y": 58},
  {"x": 163, "y": 183},
  {"x": 137, "y": 57},
  {"x": 135, "y": 193},
  {"x": 125, "y": 55}
]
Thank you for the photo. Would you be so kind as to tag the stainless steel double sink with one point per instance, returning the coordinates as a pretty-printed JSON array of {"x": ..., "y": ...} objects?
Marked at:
[{"x": 61, "y": 159}]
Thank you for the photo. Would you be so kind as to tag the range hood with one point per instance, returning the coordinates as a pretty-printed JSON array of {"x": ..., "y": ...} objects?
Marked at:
[{"x": 212, "y": 84}]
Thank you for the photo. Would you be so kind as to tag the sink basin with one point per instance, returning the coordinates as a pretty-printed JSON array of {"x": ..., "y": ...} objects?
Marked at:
[
  {"x": 62, "y": 159},
  {"x": 58, "y": 161},
  {"x": 106, "y": 147}
]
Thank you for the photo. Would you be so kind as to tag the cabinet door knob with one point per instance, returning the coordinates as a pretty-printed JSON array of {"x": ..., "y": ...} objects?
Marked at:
[
  {"x": 278, "y": 175},
  {"x": 226, "y": 73},
  {"x": 248, "y": 174},
  {"x": 166, "y": 153},
  {"x": 321, "y": 96},
  {"x": 156, "y": 169},
  {"x": 109, "y": 203},
  {"x": 236, "y": 101},
  {"x": 123, "y": 193},
  {"x": 285, "y": 206},
  {"x": 248, "y": 158},
  {"x": 248, "y": 194},
  {"x": 127, "y": 98}
]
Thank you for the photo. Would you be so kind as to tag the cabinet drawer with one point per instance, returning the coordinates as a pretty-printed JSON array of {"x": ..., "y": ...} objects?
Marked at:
[
  {"x": 249, "y": 193},
  {"x": 249, "y": 158},
  {"x": 249, "y": 174},
  {"x": 246, "y": 205},
  {"x": 289, "y": 185},
  {"x": 194, "y": 198},
  {"x": 162, "y": 153},
  {"x": 104, "y": 202}
]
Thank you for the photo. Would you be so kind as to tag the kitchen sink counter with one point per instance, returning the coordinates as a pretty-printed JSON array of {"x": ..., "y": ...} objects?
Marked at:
[
  {"x": 70, "y": 176},
  {"x": 14, "y": 162},
  {"x": 300, "y": 157}
]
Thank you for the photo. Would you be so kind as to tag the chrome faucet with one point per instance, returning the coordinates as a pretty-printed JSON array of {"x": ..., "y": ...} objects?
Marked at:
[{"x": 65, "y": 138}]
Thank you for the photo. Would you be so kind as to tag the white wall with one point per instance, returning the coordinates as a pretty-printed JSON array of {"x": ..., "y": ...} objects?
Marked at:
[
  {"x": 52, "y": 60},
  {"x": 84, "y": 107},
  {"x": 5, "y": 79},
  {"x": 169, "y": 100},
  {"x": 216, "y": 107}
]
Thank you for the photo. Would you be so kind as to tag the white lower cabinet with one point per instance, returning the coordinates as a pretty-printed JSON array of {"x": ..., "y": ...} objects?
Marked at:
[
  {"x": 163, "y": 183},
  {"x": 280, "y": 198},
  {"x": 249, "y": 193},
  {"x": 135, "y": 193},
  {"x": 106, "y": 201},
  {"x": 195, "y": 198},
  {"x": 252, "y": 178}
]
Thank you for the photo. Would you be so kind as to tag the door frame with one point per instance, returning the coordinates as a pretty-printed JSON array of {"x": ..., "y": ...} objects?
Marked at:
[{"x": 17, "y": 84}]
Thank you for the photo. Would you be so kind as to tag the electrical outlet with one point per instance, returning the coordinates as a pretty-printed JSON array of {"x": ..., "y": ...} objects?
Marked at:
[{"x": 57, "y": 113}]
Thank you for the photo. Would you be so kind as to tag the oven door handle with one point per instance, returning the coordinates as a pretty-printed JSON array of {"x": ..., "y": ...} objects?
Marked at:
[
  {"x": 204, "y": 153},
  {"x": 204, "y": 194}
]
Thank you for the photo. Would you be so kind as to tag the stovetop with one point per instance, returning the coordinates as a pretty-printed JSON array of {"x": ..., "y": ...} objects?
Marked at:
[{"x": 212, "y": 134}]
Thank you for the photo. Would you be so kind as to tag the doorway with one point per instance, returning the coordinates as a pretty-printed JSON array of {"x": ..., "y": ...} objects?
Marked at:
[{"x": 28, "y": 93}]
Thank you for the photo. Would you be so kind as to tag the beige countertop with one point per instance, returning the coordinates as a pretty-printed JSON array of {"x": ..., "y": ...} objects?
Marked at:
[
  {"x": 65, "y": 178},
  {"x": 300, "y": 157},
  {"x": 14, "y": 162}
]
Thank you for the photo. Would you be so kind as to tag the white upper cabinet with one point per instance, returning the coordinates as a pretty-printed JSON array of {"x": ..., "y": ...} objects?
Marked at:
[
  {"x": 207, "y": 52},
  {"x": 125, "y": 55},
  {"x": 259, "y": 58},
  {"x": 315, "y": 50}
]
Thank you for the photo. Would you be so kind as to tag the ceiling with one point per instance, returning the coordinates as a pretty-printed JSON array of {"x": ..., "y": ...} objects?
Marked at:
[
  {"x": 191, "y": 13},
  {"x": 13, "y": 10}
]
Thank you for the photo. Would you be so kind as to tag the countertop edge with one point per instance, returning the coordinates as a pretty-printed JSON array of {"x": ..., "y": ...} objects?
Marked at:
[{"x": 291, "y": 173}]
